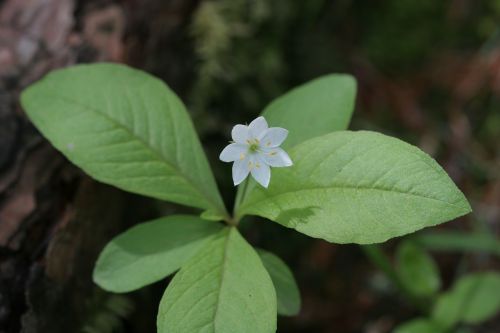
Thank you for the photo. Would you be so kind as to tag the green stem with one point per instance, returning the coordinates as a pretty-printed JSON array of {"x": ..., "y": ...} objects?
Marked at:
[
  {"x": 230, "y": 221},
  {"x": 240, "y": 195}
]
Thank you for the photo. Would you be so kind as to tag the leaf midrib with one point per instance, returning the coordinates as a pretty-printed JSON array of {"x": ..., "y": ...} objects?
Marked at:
[
  {"x": 222, "y": 275},
  {"x": 157, "y": 154},
  {"x": 346, "y": 187}
]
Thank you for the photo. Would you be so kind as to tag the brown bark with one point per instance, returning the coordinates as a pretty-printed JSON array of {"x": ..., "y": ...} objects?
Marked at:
[{"x": 54, "y": 219}]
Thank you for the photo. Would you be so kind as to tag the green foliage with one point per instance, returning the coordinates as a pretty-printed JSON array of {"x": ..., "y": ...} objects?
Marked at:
[
  {"x": 419, "y": 325},
  {"x": 417, "y": 270},
  {"x": 125, "y": 128},
  {"x": 473, "y": 299},
  {"x": 284, "y": 283},
  {"x": 150, "y": 251},
  {"x": 210, "y": 215},
  {"x": 329, "y": 101},
  {"x": 459, "y": 241},
  {"x": 224, "y": 288},
  {"x": 341, "y": 189}
]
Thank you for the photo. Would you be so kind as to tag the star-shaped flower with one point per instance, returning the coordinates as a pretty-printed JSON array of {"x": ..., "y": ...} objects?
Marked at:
[{"x": 254, "y": 149}]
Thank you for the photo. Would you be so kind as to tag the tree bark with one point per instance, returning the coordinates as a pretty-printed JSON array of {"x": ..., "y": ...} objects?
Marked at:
[{"x": 54, "y": 220}]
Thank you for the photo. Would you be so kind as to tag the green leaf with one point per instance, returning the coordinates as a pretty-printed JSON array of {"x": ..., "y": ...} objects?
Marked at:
[
  {"x": 419, "y": 325},
  {"x": 460, "y": 241},
  {"x": 223, "y": 289},
  {"x": 150, "y": 251},
  {"x": 417, "y": 270},
  {"x": 473, "y": 299},
  {"x": 210, "y": 215},
  {"x": 357, "y": 187},
  {"x": 285, "y": 285},
  {"x": 125, "y": 128},
  {"x": 315, "y": 108}
]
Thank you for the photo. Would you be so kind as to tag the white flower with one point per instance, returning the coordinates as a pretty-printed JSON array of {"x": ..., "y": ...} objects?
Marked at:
[{"x": 254, "y": 149}]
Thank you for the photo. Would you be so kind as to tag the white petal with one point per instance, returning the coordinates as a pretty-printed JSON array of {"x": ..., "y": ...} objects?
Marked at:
[
  {"x": 240, "y": 170},
  {"x": 274, "y": 137},
  {"x": 258, "y": 128},
  {"x": 240, "y": 134},
  {"x": 261, "y": 173},
  {"x": 233, "y": 152},
  {"x": 276, "y": 157}
]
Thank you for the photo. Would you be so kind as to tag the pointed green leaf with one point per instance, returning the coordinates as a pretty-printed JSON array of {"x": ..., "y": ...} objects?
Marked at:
[
  {"x": 318, "y": 107},
  {"x": 420, "y": 325},
  {"x": 125, "y": 128},
  {"x": 223, "y": 289},
  {"x": 417, "y": 270},
  {"x": 473, "y": 299},
  {"x": 357, "y": 187},
  {"x": 284, "y": 283},
  {"x": 150, "y": 251}
]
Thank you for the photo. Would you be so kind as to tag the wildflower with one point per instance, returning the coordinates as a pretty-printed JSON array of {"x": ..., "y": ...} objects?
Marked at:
[{"x": 255, "y": 148}]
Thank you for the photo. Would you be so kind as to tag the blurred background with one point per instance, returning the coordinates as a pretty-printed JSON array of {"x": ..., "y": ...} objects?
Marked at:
[{"x": 428, "y": 72}]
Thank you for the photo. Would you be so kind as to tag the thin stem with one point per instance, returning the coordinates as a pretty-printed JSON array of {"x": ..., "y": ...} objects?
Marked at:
[{"x": 230, "y": 222}]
